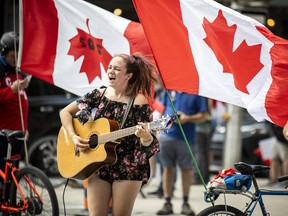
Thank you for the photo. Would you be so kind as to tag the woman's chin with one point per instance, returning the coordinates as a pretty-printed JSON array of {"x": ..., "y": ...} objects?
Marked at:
[{"x": 111, "y": 82}]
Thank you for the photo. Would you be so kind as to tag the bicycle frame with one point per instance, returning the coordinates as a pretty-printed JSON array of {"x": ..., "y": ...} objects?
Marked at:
[
  {"x": 10, "y": 170},
  {"x": 258, "y": 199},
  {"x": 255, "y": 197}
]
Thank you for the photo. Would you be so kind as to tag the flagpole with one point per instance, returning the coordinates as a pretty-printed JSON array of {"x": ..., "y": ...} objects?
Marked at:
[
  {"x": 17, "y": 76},
  {"x": 233, "y": 145}
]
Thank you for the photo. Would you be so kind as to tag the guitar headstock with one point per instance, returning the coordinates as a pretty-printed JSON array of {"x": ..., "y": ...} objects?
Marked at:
[{"x": 162, "y": 123}]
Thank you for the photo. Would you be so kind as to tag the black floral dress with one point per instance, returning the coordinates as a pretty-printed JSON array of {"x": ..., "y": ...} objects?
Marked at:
[{"x": 133, "y": 158}]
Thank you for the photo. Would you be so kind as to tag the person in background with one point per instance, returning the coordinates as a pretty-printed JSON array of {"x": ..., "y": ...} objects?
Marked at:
[
  {"x": 130, "y": 79},
  {"x": 279, "y": 154},
  {"x": 10, "y": 86},
  {"x": 173, "y": 149}
]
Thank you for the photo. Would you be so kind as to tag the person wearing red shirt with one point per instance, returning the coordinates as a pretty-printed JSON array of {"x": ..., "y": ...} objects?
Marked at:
[{"x": 10, "y": 88}]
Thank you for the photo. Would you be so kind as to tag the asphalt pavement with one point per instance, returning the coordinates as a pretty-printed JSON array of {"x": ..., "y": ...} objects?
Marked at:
[{"x": 148, "y": 205}]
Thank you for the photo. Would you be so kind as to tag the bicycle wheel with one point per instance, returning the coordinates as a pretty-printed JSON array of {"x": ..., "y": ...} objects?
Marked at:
[
  {"x": 221, "y": 210},
  {"x": 44, "y": 188}
]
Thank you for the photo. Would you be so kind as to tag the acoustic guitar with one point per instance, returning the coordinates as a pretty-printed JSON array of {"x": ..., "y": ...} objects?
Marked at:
[{"x": 104, "y": 135}]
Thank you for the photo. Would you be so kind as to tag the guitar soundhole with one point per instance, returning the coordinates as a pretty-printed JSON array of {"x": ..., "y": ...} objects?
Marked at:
[{"x": 93, "y": 142}]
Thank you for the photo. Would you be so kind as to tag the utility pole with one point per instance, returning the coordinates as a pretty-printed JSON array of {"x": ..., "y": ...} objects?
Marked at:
[{"x": 233, "y": 143}]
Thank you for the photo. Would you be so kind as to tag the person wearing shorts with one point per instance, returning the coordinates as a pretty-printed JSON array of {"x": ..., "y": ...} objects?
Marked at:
[
  {"x": 125, "y": 101},
  {"x": 173, "y": 148}
]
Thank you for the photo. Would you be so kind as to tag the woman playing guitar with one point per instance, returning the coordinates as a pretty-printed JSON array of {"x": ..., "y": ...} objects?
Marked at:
[{"x": 130, "y": 79}]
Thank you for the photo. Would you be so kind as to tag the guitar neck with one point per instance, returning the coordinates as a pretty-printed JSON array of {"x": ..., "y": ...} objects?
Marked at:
[
  {"x": 115, "y": 135},
  {"x": 156, "y": 125}
]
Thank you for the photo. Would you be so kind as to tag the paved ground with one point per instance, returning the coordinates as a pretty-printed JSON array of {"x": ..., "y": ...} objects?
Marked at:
[{"x": 148, "y": 206}]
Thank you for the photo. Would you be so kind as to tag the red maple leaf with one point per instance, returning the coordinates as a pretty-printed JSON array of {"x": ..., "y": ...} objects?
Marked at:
[
  {"x": 84, "y": 44},
  {"x": 243, "y": 63}
]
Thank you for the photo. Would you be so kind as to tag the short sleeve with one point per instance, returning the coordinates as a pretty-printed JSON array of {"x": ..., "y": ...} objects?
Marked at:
[{"x": 86, "y": 103}]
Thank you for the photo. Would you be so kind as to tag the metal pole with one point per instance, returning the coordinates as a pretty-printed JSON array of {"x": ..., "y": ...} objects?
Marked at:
[{"x": 233, "y": 143}]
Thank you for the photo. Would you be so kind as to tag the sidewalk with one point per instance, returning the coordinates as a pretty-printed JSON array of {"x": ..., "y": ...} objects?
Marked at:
[{"x": 148, "y": 206}]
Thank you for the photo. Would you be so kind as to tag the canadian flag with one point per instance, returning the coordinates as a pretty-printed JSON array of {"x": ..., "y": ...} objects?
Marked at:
[
  {"x": 69, "y": 43},
  {"x": 204, "y": 48}
]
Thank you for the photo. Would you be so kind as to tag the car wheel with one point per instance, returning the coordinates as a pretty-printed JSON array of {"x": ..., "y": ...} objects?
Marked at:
[{"x": 43, "y": 154}]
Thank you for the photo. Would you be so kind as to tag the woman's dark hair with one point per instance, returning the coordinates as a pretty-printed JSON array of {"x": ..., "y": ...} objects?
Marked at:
[{"x": 144, "y": 74}]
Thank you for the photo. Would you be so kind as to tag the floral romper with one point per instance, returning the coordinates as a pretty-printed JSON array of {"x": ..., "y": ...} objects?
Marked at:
[{"x": 133, "y": 157}]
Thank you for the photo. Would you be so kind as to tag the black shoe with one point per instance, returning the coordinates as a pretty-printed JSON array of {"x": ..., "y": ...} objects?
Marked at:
[
  {"x": 166, "y": 210},
  {"x": 158, "y": 193},
  {"x": 186, "y": 210}
]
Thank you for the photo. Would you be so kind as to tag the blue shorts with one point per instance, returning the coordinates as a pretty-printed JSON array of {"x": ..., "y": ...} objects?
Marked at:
[{"x": 174, "y": 152}]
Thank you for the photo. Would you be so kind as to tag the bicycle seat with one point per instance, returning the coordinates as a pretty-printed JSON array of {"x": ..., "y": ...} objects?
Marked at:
[
  {"x": 13, "y": 134},
  {"x": 250, "y": 169}
]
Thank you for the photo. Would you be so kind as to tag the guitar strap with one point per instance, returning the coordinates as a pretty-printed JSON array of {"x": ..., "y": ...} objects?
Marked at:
[{"x": 130, "y": 102}]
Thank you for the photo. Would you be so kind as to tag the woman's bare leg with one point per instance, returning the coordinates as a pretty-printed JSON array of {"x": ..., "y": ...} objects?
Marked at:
[
  {"x": 124, "y": 196},
  {"x": 99, "y": 194}
]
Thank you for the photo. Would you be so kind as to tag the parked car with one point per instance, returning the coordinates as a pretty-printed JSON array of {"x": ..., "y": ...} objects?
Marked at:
[
  {"x": 251, "y": 132},
  {"x": 45, "y": 102}
]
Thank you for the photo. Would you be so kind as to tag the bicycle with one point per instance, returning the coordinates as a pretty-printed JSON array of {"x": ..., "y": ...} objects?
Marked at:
[
  {"x": 27, "y": 190},
  {"x": 255, "y": 197}
]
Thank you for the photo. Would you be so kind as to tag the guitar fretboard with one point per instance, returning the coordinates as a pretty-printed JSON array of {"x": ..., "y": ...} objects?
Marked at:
[{"x": 114, "y": 135}]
